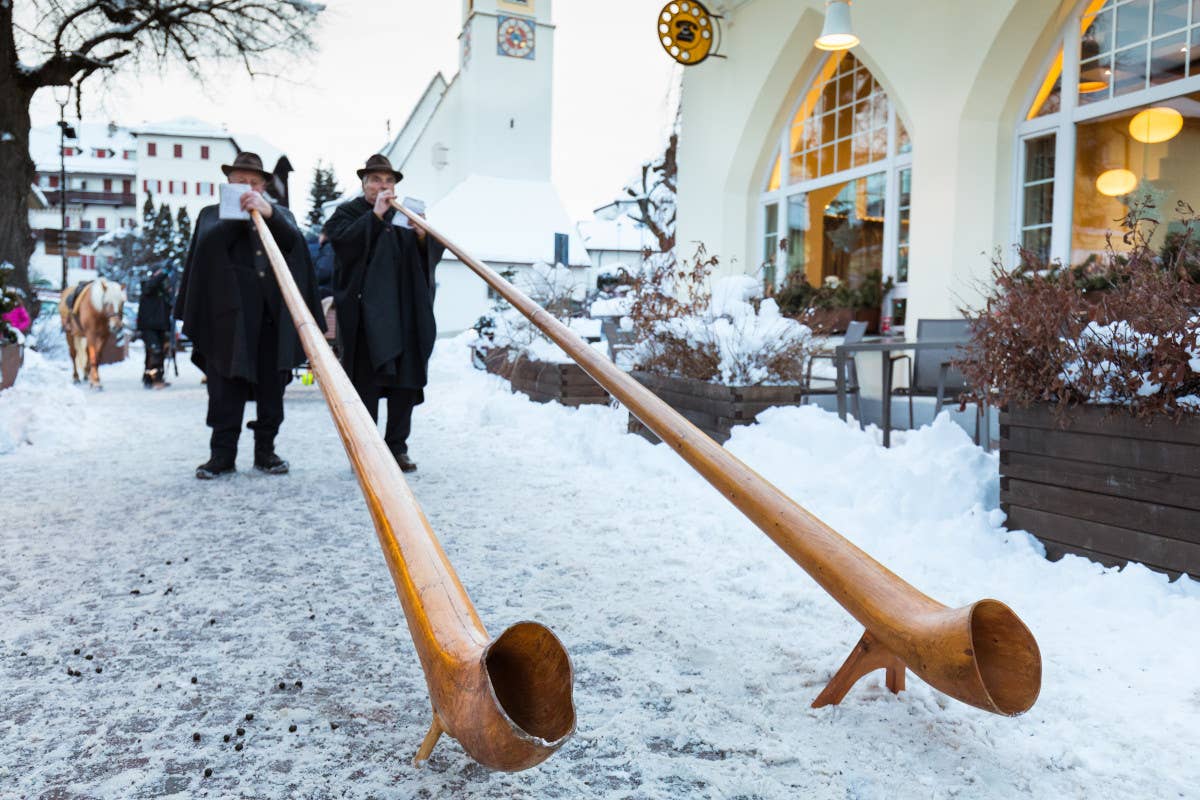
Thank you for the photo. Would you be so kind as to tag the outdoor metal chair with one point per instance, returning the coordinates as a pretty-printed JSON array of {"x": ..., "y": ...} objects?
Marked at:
[
  {"x": 931, "y": 372},
  {"x": 619, "y": 340},
  {"x": 855, "y": 331}
]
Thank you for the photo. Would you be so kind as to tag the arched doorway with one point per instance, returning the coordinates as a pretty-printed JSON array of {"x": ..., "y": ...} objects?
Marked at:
[{"x": 836, "y": 202}]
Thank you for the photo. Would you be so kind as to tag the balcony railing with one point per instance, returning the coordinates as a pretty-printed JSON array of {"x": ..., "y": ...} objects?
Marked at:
[{"x": 92, "y": 198}]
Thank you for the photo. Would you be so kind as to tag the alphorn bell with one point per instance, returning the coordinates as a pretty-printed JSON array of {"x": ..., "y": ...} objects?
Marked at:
[
  {"x": 981, "y": 654},
  {"x": 506, "y": 700}
]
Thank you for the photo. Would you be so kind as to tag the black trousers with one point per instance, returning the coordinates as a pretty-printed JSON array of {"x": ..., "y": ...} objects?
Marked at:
[
  {"x": 400, "y": 402},
  {"x": 227, "y": 399},
  {"x": 156, "y": 356}
]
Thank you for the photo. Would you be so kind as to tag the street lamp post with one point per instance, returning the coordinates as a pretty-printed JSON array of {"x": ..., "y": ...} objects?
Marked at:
[{"x": 64, "y": 130}]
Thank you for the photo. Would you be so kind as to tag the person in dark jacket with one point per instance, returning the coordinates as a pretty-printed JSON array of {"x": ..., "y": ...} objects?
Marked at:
[
  {"x": 383, "y": 288},
  {"x": 321, "y": 251},
  {"x": 242, "y": 335},
  {"x": 154, "y": 326}
]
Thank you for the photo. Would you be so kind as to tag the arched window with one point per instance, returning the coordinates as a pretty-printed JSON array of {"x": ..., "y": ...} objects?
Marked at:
[
  {"x": 836, "y": 200},
  {"x": 1116, "y": 121}
]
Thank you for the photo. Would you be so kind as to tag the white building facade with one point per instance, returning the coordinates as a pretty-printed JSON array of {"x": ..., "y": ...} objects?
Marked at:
[
  {"x": 110, "y": 173},
  {"x": 952, "y": 132}
]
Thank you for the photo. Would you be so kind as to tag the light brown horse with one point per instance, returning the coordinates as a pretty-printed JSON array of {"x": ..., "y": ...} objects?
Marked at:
[{"x": 96, "y": 314}]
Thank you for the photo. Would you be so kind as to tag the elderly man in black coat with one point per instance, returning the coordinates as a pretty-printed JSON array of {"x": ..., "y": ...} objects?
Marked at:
[
  {"x": 383, "y": 287},
  {"x": 232, "y": 310}
]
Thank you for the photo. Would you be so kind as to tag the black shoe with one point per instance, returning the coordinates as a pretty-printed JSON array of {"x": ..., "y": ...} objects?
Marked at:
[
  {"x": 215, "y": 467},
  {"x": 270, "y": 464},
  {"x": 406, "y": 463}
]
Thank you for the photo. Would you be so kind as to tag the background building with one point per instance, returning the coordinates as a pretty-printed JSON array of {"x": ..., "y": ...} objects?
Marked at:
[{"x": 112, "y": 170}]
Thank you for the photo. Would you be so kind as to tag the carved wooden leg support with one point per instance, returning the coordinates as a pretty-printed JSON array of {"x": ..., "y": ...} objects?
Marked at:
[
  {"x": 435, "y": 732},
  {"x": 867, "y": 656}
]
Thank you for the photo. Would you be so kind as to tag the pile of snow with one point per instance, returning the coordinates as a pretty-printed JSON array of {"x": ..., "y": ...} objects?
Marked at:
[
  {"x": 40, "y": 405},
  {"x": 611, "y": 306}
]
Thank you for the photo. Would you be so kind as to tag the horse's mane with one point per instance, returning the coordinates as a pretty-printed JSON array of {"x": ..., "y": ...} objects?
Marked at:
[{"x": 109, "y": 292}]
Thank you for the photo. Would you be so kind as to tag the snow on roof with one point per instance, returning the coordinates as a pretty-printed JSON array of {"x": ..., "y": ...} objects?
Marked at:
[
  {"x": 182, "y": 126},
  {"x": 91, "y": 136},
  {"x": 400, "y": 148},
  {"x": 507, "y": 221},
  {"x": 620, "y": 234}
]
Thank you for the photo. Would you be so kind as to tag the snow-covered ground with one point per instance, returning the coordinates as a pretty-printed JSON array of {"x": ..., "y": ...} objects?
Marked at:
[{"x": 697, "y": 644}]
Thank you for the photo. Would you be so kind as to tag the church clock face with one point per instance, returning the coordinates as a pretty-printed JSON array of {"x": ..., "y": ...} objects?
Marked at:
[{"x": 515, "y": 37}]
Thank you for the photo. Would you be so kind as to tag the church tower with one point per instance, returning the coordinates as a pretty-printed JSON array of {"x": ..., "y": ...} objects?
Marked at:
[{"x": 506, "y": 64}]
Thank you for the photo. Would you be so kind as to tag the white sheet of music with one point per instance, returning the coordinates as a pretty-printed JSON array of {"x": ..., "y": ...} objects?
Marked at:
[{"x": 231, "y": 201}]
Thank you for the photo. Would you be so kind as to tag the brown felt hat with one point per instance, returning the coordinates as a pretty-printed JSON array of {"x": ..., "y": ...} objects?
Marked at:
[
  {"x": 380, "y": 163},
  {"x": 249, "y": 162}
]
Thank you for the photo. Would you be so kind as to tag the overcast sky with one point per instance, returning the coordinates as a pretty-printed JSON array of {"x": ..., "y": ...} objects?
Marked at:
[{"x": 611, "y": 80}]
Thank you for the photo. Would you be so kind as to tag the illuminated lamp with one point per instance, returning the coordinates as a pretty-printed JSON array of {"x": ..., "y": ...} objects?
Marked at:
[
  {"x": 1116, "y": 182},
  {"x": 1157, "y": 124},
  {"x": 837, "y": 33}
]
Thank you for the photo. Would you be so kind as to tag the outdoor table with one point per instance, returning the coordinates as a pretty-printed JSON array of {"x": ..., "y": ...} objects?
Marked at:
[{"x": 885, "y": 347}]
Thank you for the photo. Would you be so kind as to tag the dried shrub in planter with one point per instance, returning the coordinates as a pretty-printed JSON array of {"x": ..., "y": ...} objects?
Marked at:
[{"x": 1040, "y": 339}]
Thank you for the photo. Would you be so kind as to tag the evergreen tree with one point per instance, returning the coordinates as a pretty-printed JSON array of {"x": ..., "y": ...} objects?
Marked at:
[
  {"x": 148, "y": 212},
  {"x": 183, "y": 238},
  {"x": 321, "y": 191},
  {"x": 162, "y": 238}
]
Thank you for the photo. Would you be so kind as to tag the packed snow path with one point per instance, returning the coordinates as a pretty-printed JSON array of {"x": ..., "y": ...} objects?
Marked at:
[{"x": 187, "y": 606}]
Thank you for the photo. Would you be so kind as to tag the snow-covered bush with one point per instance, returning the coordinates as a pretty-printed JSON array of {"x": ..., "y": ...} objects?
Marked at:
[
  {"x": 554, "y": 288},
  {"x": 1041, "y": 339},
  {"x": 688, "y": 325}
]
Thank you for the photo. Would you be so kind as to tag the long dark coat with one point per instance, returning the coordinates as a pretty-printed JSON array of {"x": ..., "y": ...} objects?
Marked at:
[
  {"x": 383, "y": 285},
  {"x": 228, "y": 283}
]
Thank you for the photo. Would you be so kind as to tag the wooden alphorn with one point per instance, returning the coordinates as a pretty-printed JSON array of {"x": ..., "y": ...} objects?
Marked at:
[
  {"x": 506, "y": 700},
  {"x": 981, "y": 654}
]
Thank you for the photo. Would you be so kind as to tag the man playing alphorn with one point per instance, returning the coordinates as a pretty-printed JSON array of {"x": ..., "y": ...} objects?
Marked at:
[
  {"x": 383, "y": 286},
  {"x": 242, "y": 334}
]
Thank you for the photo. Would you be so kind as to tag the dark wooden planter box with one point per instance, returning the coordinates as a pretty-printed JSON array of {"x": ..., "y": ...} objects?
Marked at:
[
  {"x": 836, "y": 320},
  {"x": 1108, "y": 487},
  {"x": 543, "y": 382},
  {"x": 711, "y": 407},
  {"x": 11, "y": 358}
]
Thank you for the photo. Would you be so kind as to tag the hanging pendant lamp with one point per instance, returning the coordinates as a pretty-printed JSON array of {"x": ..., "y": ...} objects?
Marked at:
[{"x": 837, "y": 33}]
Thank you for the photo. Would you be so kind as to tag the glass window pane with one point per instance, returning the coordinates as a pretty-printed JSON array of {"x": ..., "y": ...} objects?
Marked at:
[
  {"x": 1039, "y": 158},
  {"x": 843, "y": 155},
  {"x": 860, "y": 149},
  {"x": 772, "y": 221},
  {"x": 1095, "y": 80},
  {"x": 1168, "y": 59},
  {"x": 1194, "y": 51},
  {"x": 1039, "y": 203},
  {"x": 797, "y": 257},
  {"x": 845, "y": 117},
  {"x": 903, "y": 140},
  {"x": 1169, "y": 15},
  {"x": 1109, "y": 163},
  {"x": 864, "y": 83},
  {"x": 1129, "y": 70},
  {"x": 1037, "y": 241},
  {"x": 799, "y": 170},
  {"x": 1133, "y": 22},
  {"x": 826, "y": 167},
  {"x": 828, "y": 129},
  {"x": 1098, "y": 37}
]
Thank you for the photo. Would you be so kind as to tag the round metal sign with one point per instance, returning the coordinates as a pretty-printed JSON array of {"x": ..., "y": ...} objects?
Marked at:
[{"x": 686, "y": 31}]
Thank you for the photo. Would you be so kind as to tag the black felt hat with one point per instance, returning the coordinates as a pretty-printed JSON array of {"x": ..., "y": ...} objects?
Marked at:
[{"x": 380, "y": 163}]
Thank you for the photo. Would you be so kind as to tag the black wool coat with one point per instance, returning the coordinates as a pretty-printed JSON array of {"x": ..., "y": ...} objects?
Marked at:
[
  {"x": 228, "y": 289},
  {"x": 383, "y": 286}
]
